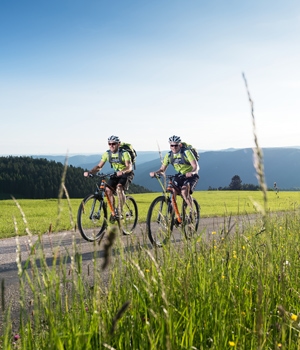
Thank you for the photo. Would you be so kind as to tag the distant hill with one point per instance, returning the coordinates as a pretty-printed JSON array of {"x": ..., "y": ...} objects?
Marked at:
[
  {"x": 282, "y": 165},
  {"x": 89, "y": 161}
]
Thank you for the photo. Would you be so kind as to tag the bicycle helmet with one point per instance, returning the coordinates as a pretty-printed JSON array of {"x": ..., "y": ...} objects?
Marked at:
[
  {"x": 114, "y": 139},
  {"x": 174, "y": 138}
]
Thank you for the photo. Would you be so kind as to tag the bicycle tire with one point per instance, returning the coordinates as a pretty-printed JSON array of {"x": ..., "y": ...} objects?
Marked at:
[
  {"x": 92, "y": 218},
  {"x": 160, "y": 221},
  {"x": 190, "y": 223},
  {"x": 129, "y": 218}
]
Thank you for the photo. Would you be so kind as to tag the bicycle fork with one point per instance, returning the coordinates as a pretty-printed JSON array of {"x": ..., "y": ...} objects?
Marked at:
[{"x": 93, "y": 214}]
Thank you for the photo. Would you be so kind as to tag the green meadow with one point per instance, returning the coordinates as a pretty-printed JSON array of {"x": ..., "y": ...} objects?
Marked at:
[{"x": 59, "y": 215}]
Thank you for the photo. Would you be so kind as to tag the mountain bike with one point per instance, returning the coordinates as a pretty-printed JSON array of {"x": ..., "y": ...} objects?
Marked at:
[
  {"x": 93, "y": 211},
  {"x": 163, "y": 214}
]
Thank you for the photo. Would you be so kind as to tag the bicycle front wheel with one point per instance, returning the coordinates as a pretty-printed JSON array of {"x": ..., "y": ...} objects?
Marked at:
[
  {"x": 92, "y": 218},
  {"x": 160, "y": 221},
  {"x": 129, "y": 217},
  {"x": 190, "y": 218}
]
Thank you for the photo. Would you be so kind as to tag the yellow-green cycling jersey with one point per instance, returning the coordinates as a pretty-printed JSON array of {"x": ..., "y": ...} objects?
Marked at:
[
  {"x": 180, "y": 165},
  {"x": 117, "y": 159}
]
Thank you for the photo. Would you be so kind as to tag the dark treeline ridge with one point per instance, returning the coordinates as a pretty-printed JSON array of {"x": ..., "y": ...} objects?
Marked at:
[
  {"x": 236, "y": 185},
  {"x": 29, "y": 178}
]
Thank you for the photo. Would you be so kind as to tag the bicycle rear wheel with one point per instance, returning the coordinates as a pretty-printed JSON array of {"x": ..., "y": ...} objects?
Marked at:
[
  {"x": 190, "y": 218},
  {"x": 129, "y": 217},
  {"x": 160, "y": 221},
  {"x": 92, "y": 218}
]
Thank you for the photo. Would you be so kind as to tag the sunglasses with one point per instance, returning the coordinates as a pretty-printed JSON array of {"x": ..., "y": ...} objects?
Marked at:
[
  {"x": 112, "y": 144},
  {"x": 174, "y": 145}
]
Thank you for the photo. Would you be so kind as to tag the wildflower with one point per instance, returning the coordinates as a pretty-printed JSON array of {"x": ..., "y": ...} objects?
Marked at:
[
  {"x": 231, "y": 343},
  {"x": 16, "y": 337},
  {"x": 279, "y": 345},
  {"x": 147, "y": 270},
  {"x": 223, "y": 276},
  {"x": 243, "y": 247},
  {"x": 294, "y": 317},
  {"x": 213, "y": 232}
]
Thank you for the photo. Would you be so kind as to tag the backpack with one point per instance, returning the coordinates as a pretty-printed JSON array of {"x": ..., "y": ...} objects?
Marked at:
[
  {"x": 124, "y": 147},
  {"x": 185, "y": 146}
]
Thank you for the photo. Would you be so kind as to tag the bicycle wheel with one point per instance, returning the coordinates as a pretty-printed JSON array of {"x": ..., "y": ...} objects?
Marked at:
[
  {"x": 92, "y": 218},
  {"x": 160, "y": 221},
  {"x": 190, "y": 219},
  {"x": 129, "y": 217}
]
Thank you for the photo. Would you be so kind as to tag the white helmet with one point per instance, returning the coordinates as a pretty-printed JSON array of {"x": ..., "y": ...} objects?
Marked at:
[
  {"x": 174, "y": 138},
  {"x": 114, "y": 139}
]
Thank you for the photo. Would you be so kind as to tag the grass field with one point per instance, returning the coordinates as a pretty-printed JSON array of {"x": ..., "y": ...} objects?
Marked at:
[{"x": 41, "y": 214}]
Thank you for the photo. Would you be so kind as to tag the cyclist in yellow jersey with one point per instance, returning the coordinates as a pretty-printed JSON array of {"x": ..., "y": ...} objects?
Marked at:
[
  {"x": 121, "y": 163},
  {"x": 185, "y": 163}
]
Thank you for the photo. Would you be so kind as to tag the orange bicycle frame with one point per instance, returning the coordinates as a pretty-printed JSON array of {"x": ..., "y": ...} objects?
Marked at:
[
  {"x": 174, "y": 203},
  {"x": 102, "y": 188}
]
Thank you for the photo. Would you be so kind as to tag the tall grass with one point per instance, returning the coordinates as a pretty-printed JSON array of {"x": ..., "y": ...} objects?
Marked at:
[{"x": 225, "y": 292}]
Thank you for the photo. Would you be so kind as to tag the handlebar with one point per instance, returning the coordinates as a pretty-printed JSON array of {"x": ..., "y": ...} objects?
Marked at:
[
  {"x": 102, "y": 176},
  {"x": 158, "y": 176},
  {"x": 164, "y": 184}
]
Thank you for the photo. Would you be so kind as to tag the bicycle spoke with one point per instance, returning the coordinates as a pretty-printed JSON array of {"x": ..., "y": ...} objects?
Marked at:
[
  {"x": 91, "y": 218},
  {"x": 129, "y": 216},
  {"x": 191, "y": 217},
  {"x": 159, "y": 221}
]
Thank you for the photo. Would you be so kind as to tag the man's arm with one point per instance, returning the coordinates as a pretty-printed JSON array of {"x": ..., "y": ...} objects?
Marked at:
[
  {"x": 127, "y": 170},
  {"x": 95, "y": 169},
  {"x": 161, "y": 170},
  {"x": 194, "y": 164}
]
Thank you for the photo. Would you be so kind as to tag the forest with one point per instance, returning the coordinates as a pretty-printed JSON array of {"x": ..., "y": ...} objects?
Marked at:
[{"x": 26, "y": 177}]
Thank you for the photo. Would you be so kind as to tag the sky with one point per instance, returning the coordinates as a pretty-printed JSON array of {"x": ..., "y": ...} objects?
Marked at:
[{"x": 74, "y": 72}]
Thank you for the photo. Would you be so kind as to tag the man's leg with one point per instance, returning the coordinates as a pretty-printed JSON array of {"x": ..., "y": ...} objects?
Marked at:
[
  {"x": 110, "y": 196},
  {"x": 185, "y": 192},
  {"x": 121, "y": 196}
]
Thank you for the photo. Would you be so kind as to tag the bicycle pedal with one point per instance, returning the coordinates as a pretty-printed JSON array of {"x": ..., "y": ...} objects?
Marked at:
[
  {"x": 177, "y": 223},
  {"x": 117, "y": 216},
  {"x": 112, "y": 219}
]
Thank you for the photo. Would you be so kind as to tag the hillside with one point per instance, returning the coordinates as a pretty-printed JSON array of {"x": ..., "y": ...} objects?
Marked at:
[
  {"x": 27, "y": 177},
  {"x": 282, "y": 165}
]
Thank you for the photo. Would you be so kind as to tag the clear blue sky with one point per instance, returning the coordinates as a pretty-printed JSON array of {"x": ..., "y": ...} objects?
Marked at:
[{"x": 74, "y": 72}]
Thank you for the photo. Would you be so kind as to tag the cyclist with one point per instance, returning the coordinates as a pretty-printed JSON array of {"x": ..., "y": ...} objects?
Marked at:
[
  {"x": 185, "y": 163},
  {"x": 121, "y": 163}
]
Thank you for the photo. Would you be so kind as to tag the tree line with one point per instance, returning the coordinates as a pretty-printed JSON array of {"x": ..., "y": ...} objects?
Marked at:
[
  {"x": 236, "y": 185},
  {"x": 30, "y": 178}
]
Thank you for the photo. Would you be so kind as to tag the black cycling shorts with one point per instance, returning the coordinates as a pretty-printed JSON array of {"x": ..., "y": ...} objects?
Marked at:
[
  {"x": 180, "y": 181},
  {"x": 124, "y": 180}
]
